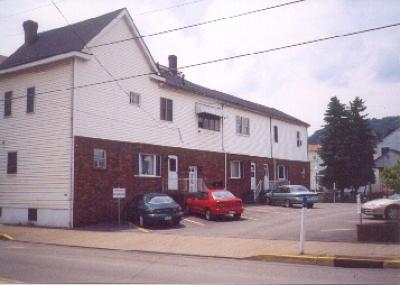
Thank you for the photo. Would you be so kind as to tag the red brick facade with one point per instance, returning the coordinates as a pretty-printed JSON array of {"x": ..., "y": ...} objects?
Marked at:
[{"x": 93, "y": 201}]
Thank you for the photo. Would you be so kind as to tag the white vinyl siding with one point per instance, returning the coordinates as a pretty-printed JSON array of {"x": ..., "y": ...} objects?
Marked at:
[{"x": 43, "y": 143}]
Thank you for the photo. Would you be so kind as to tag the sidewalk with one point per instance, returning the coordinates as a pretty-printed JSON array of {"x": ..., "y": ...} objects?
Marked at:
[{"x": 323, "y": 253}]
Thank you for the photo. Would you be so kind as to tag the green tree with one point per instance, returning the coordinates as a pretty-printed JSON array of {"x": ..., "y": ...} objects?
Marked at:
[
  {"x": 334, "y": 146},
  {"x": 361, "y": 143},
  {"x": 391, "y": 177}
]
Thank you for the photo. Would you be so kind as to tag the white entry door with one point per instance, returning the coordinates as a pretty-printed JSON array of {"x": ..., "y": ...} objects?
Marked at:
[
  {"x": 266, "y": 177},
  {"x": 192, "y": 178},
  {"x": 253, "y": 176},
  {"x": 172, "y": 172}
]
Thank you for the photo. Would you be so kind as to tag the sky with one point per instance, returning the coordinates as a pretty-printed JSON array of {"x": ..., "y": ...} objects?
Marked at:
[{"x": 299, "y": 81}]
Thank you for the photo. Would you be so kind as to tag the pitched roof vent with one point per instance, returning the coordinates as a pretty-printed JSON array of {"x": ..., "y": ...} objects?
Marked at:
[
  {"x": 173, "y": 64},
  {"x": 30, "y": 29}
]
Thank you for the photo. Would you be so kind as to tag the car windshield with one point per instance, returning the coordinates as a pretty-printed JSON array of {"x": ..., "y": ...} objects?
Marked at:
[
  {"x": 159, "y": 200},
  {"x": 298, "y": 189},
  {"x": 222, "y": 195},
  {"x": 395, "y": 196}
]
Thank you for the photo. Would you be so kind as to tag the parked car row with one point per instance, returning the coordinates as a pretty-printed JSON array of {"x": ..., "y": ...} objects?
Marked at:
[{"x": 151, "y": 208}]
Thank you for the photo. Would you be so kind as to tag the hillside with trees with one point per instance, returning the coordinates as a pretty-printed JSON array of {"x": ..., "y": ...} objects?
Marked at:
[{"x": 380, "y": 127}]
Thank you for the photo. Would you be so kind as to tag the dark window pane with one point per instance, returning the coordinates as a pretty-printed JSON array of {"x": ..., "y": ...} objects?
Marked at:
[
  {"x": 12, "y": 163},
  {"x": 30, "y": 100},
  {"x": 32, "y": 215},
  {"x": 162, "y": 108},
  {"x": 158, "y": 165},
  {"x": 7, "y": 103},
  {"x": 169, "y": 110},
  {"x": 275, "y": 133},
  {"x": 172, "y": 164}
]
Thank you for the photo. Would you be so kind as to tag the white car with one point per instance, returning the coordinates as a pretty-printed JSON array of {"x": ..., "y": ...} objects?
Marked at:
[{"x": 385, "y": 207}]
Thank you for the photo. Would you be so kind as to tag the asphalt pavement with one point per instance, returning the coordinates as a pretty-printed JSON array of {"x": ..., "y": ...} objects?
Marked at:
[{"x": 36, "y": 263}]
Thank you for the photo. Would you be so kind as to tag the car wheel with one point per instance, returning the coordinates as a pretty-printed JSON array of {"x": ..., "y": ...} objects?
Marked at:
[
  {"x": 287, "y": 204},
  {"x": 310, "y": 205},
  {"x": 188, "y": 211},
  {"x": 208, "y": 215},
  {"x": 392, "y": 213},
  {"x": 237, "y": 216},
  {"x": 268, "y": 201},
  {"x": 142, "y": 221},
  {"x": 176, "y": 222}
]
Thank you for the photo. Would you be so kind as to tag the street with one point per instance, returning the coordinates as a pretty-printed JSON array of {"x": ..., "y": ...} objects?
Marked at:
[{"x": 35, "y": 263}]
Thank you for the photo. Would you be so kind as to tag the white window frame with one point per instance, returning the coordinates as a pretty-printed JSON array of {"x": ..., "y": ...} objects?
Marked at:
[
  {"x": 285, "y": 172},
  {"x": 231, "y": 164},
  {"x": 100, "y": 162},
  {"x": 134, "y": 98},
  {"x": 154, "y": 156},
  {"x": 241, "y": 128},
  {"x": 299, "y": 141}
]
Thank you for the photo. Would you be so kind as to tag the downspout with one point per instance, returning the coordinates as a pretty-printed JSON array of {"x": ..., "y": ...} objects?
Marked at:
[
  {"x": 223, "y": 149},
  {"x": 271, "y": 143},
  {"x": 73, "y": 103}
]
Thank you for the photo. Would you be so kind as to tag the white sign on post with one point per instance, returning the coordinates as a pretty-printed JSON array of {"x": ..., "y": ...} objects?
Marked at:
[{"x": 119, "y": 193}]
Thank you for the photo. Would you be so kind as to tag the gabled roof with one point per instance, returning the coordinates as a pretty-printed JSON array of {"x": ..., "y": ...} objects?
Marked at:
[
  {"x": 59, "y": 41},
  {"x": 181, "y": 83},
  {"x": 2, "y": 58}
]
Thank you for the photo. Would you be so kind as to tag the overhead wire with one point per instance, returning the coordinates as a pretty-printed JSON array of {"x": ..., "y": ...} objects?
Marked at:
[
  {"x": 110, "y": 74},
  {"x": 201, "y": 23}
]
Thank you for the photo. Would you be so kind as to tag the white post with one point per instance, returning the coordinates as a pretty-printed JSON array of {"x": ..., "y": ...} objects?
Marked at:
[
  {"x": 302, "y": 225},
  {"x": 119, "y": 212},
  {"x": 359, "y": 207}
]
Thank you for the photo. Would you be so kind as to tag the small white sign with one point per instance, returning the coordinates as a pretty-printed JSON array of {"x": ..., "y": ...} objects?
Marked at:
[
  {"x": 358, "y": 203},
  {"x": 119, "y": 193}
]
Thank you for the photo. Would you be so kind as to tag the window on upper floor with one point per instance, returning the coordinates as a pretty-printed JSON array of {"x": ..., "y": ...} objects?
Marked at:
[
  {"x": 276, "y": 134},
  {"x": 149, "y": 165},
  {"x": 99, "y": 158},
  {"x": 30, "y": 100},
  {"x": 209, "y": 122},
  {"x": 298, "y": 139},
  {"x": 12, "y": 163},
  {"x": 134, "y": 98},
  {"x": 166, "y": 109},
  {"x": 236, "y": 169},
  {"x": 242, "y": 125},
  {"x": 7, "y": 103}
]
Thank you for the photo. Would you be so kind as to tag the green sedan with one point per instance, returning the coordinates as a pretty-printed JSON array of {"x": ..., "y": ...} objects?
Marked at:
[{"x": 289, "y": 195}]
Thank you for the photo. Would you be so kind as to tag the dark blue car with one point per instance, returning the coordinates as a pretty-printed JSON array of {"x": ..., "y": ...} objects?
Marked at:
[{"x": 151, "y": 208}]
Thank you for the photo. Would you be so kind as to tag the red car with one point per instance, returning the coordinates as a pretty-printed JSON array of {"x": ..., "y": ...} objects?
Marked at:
[{"x": 213, "y": 203}]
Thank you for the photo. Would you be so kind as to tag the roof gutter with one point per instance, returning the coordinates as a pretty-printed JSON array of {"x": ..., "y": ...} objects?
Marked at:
[{"x": 51, "y": 59}]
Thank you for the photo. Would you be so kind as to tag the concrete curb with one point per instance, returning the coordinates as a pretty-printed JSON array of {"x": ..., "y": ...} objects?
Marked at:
[
  {"x": 335, "y": 261},
  {"x": 4, "y": 236}
]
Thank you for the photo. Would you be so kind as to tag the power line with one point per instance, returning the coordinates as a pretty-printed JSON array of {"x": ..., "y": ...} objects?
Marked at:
[
  {"x": 27, "y": 10},
  {"x": 107, "y": 71},
  {"x": 202, "y": 23},
  {"x": 291, "y": 45},
  {"x": 221, "y": 59},
  {"x": 168, "y": 8}
]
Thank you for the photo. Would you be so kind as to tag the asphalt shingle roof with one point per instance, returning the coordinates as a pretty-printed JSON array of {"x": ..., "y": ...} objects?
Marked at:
[
  {"x": 59, "y": 41},
  {"x": 178, "y": 82}
]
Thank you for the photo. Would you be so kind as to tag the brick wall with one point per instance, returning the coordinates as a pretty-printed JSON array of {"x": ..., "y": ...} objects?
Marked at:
[{"x": 93, "y": 202}]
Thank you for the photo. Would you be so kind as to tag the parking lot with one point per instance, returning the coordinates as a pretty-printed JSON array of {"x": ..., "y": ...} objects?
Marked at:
[{"x": 325, "y": 222}]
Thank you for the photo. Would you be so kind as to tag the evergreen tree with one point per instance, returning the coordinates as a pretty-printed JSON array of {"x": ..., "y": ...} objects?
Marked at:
[
  {"x": 362, "y": 143},
  {"x": 335, "y": 146}
]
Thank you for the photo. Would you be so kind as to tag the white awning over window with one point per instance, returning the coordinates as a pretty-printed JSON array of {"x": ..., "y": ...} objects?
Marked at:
[{"x": 205, "y": 109}]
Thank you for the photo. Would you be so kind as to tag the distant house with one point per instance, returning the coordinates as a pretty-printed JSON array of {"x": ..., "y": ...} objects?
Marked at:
[
  {"x": 315, "y": 166},
  {"x": 72, "y": 129},
  {"x": 387, "y": 153}
]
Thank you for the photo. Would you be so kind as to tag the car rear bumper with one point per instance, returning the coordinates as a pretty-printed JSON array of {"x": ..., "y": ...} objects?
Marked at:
[
  {"x": 228, "y": 211},
  {"x": 163, "y": 217}
]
